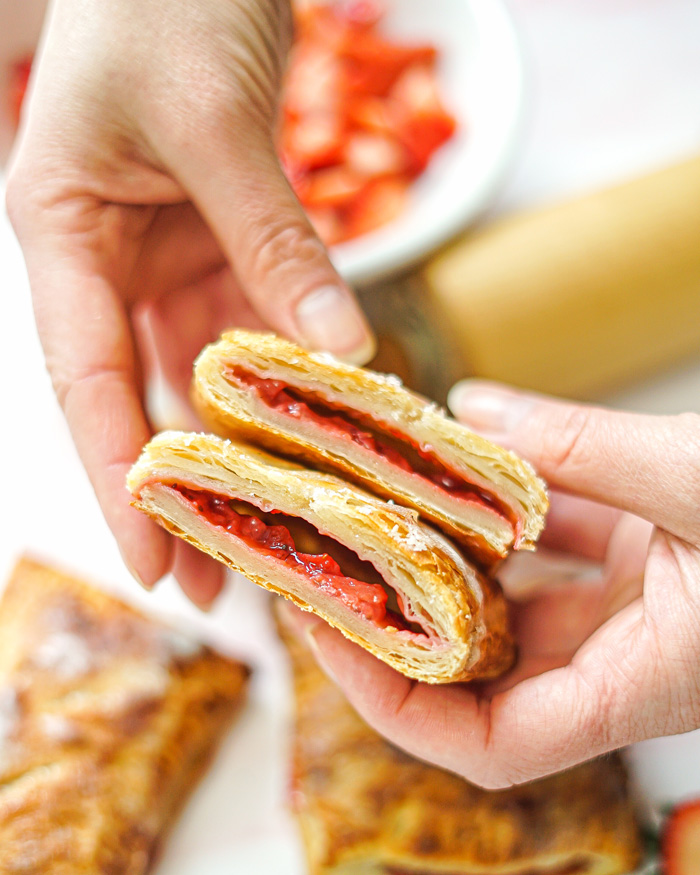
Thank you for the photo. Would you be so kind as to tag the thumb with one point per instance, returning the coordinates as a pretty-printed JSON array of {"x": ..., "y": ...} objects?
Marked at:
[
  {"x": 279, "y": 262},
  {"x": 648, "y": 465}
]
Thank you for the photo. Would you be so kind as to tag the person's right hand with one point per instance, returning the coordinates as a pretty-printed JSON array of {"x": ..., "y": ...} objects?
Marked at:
[
  {"x": 146, "y": 189},
  {"x": 604, "y": 661}
]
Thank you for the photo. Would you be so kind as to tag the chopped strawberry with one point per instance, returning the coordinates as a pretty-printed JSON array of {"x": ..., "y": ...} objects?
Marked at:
[
  {"x": 680, "y": 842},
  {"x": 374, "y": 155},
  {"x": 422, "y": 123},
  {"x": 371, "y": 114},
  {"x": 313, "y": 81},
  {"x": 332, "y": 187},
  {"x": 417, "y": 90},
  {"x": 373, "y": 64},
  {"x": 421, "y": 135},
  {"x": 313, "y": 140},
  {"x": 360, "y": 13},
  {"x": 381, "y": 202}
]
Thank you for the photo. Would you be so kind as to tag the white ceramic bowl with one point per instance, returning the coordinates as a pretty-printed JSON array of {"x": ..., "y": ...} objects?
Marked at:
[{"x": 481, "y": 79}]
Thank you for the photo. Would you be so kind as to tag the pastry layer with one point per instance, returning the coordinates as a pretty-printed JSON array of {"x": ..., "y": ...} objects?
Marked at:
[
  {"x": 400, "y": 589},
  {"x": 107, "y": 720},
  {"x": 367, "y": 427},
  {"x": 367, "y": 808}
]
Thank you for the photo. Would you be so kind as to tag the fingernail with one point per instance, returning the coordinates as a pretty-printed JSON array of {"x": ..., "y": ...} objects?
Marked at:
[
  {"x": 310, "y": 635},
  {"x": 329, "y": 320},
  {"x": 137, "y": 577},
  {"x": 488, "y": 408}
]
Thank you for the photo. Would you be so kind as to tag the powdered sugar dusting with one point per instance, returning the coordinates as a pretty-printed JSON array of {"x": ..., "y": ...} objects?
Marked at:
[
  {"x": 324, "y": 358},
  {"x": 392, "y": 380},
  {"x": 415, "y": 540},
  {"x": 58, "y": 728},
  {"x": 177, "y": 645},
  {"x": 65, "y": 654}
]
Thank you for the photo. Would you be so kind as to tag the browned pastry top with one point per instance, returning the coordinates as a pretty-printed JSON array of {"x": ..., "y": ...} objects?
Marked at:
[
  {"x": 363, "y": 802},
  {"x": 107, "y": 719}
]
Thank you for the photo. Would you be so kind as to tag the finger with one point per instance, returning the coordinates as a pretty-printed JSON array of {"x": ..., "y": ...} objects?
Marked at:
[
  {"x": 578, "y": 526},
  {"x": 648, "y": 465},
  {"x": 178, "y": 250},
  {"x": 90, "y": 355},
  {"x": 200, "y": 577},
  {"x": 277, "y": 258},
  {"x": 184, "y": 321},
  {"x": 546, "y": 723}
]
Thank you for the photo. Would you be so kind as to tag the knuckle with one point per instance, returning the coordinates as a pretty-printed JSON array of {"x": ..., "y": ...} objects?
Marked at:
[
  {"x": 289, "y": 247},
  {"x": 567, "y": 445}
]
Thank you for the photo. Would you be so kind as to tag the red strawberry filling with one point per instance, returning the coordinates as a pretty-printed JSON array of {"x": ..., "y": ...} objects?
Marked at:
[
  {"x": 330, "y": 574},
  {"x": 393, "y": 446}
]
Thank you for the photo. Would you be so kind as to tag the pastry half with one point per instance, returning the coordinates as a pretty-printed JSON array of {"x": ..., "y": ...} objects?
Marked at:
[
  {"x": 368, "y": 567},
  {"x": 366, "y": 808},
  {"x": 369, "y": 428},
  {"x": 107, "y": 720}
]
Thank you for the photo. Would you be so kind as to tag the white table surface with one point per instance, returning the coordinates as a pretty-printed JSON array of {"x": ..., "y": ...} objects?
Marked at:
[{"x": 614, "y": 87}]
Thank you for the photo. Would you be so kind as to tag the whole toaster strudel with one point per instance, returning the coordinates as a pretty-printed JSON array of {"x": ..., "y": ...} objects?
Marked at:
[
  {"x": 107, "y": 720},
  {"x": 367, "y": 808}
]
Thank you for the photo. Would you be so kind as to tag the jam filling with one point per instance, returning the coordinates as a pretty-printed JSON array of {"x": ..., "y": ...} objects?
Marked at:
[
  {"x": 396, "y": 448},
  {"x": 244, "y": 521}
]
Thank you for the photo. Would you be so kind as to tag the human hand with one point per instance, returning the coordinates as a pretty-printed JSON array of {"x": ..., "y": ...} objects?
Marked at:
[
  {"x": 153, "y": 213},
  {"x": 604, "y": 662}
]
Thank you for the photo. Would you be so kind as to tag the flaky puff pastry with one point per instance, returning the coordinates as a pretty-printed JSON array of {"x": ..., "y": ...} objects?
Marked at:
[
  {"x": 107, "y": 719},
  {"x": 502, "y": 503},
  {"x": 367, "y": 808},
  {"x": 453, "y": 625}
]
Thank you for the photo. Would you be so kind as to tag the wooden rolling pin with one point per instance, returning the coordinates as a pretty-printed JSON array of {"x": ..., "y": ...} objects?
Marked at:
[{"x": 581, "y": 297}]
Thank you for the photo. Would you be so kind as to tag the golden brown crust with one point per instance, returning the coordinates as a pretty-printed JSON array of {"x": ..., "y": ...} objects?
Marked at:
[
  {"x": 107, "y": 719},
  {"x": 233, "y": 410},
  {"x": 449, "y": 596},
  {"x": 364, "y": 806}
]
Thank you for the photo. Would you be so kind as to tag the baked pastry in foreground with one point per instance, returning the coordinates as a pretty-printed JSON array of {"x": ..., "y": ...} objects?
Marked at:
[
  {"x": 367, "y": 808},
  {"x": 107, "y": 720},
  {"x": 368, "y": 428},
  {"x": 368, "y": 567}
]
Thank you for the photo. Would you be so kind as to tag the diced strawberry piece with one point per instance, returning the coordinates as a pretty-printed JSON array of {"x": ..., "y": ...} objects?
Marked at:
[
  {"x": 422, "y": 122},
  {"x": 374, "y": 155},
  {"x": 421, "y": 135},
  {"x": 313, "y": 140},
  {"x": 332, "y": 187},
  {"x": 313, "y": 80},
  {"x": 371, "y": 114},
  {"x": 680, "y": 842},
  {"x": 360, "y": 13},
  {"x": 381, "y": 202},
  {"x": 417, "y": 90},
  {"x": 372, "y": 64}
]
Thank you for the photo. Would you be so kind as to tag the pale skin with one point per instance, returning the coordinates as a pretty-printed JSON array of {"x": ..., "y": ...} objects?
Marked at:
[{"x": 152, "y": 212}]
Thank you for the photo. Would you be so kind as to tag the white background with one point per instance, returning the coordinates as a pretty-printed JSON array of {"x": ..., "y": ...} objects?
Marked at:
[{"x": 614, "y": 89}]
